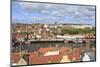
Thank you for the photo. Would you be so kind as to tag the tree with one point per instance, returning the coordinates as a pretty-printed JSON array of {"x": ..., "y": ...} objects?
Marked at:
[{"x": 78, "y": 31}]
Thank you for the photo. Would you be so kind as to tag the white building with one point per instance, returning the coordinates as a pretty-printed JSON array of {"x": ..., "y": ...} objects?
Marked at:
[
  {"x": 68, "y": 25},
  {"x": 82, "y": 26}
]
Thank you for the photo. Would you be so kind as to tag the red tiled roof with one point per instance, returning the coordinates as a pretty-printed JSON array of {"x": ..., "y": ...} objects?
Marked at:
[
  {"x": 39, "y": 59},
  {"x": 70, "y": 56},
  {"x": 45, "y": 59},
  {"x": 55, "y": 58},
  {"x": 63, "y": 50},
  {"x": 15, "y": 57},
  {"x": 44, "y": 50}
]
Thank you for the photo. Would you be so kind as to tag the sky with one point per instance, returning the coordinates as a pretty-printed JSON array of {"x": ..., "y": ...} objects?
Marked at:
[{"x": 32, "y": 12}]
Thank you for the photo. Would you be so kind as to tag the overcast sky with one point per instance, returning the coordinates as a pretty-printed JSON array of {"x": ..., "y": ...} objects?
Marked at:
[{"x": 31, "y": 12}]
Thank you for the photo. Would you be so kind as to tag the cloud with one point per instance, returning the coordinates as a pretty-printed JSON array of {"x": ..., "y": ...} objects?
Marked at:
[{"x": 54, "y": 12}]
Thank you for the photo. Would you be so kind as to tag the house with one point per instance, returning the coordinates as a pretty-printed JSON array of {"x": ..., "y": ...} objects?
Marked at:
[
  {"x": 44, "y": 50},
  {"x": 15, "y": 58},
  {"x": 76, "y": 54},
  {"x": 73, "y": 25},
  {"x": 55, "y": 58},
  {"x": 49, "y": 53},
  {"x": 22, "y": 62},
  {"x": 63, "y": 50},
  {"x": 65, "y": 59},
  {"x": 69, "y": 25},
  {"x": 40, "y": 59}
]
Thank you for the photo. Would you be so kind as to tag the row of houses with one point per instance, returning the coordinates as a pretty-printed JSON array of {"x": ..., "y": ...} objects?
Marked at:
[
  {"x": 72, "y": 25},
  {"x": 40, "y": 30},
  {"x": 47, "y": 55}
]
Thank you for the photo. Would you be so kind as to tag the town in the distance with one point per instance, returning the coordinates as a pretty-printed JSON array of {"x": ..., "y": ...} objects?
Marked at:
[{"x": 52, "y": 43}]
